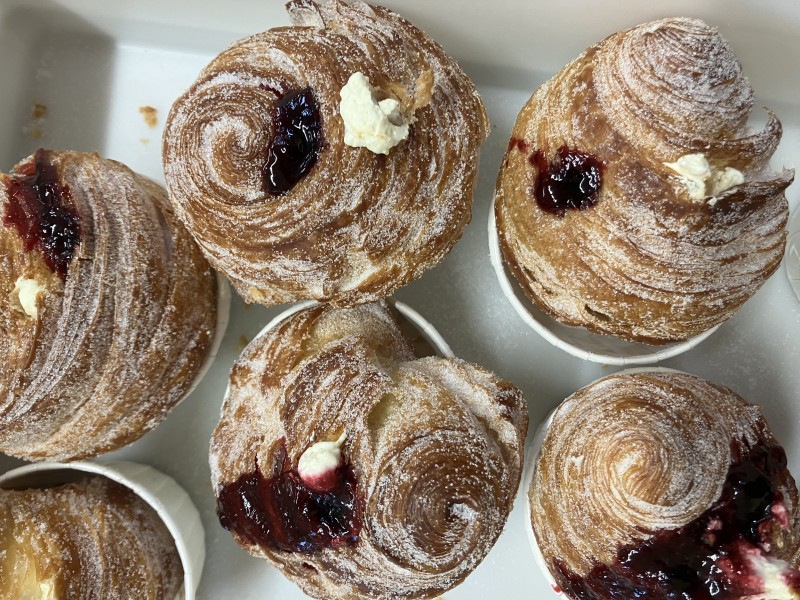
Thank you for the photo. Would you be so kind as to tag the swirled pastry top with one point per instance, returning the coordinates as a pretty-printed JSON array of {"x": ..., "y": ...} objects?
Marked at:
[
  {"x": 666, "y": 484},
  {"x": 430, "y": 461},
  {"x": 90, "y": 539},
  {"x": 257, "y": 167},
  {"x": 107, "y": 307},
  {"x": 634, "y": 199}
]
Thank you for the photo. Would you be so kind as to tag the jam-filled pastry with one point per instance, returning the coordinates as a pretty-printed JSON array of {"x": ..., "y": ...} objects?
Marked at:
[
  {"x": 85, "y": 540},
  {"x": 333, "y": 160},
  {"x": 663, "y": 485},
  {"x": 108, "y": 309},
  {"x": 634, "y": 200},
  {"x": 356, "y": 468}
]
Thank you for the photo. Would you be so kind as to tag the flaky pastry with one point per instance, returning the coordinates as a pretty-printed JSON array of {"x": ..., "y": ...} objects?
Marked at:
[
  {"x": 663, "y": 485},
  {"x": 108, "y": 309},
  {"x": 357, "y": 469},
  {"x": 258, "y": 169},
  {"x": 634, "y": 199},
  {"x": 87, "y": 540}
]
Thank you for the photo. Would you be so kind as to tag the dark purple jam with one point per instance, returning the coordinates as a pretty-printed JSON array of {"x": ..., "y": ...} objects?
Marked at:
[
  {"x": 519, "y": 144},
  {"x": 705, "y": 560},
  {"x": 572, "y": 181},
  {"x": 282, "y": 513},
  {"x": 41, "y": 209},
  {"x": 297, "y": 142}
]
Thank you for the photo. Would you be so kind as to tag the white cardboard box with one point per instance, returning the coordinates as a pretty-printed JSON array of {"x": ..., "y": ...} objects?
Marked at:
[{"x": 94, "y": 63}]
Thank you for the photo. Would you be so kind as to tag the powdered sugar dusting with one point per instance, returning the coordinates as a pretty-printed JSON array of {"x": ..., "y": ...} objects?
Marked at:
[
  {"x": 646, "y": 263},
  {"x": 436, "y": 445},
  {"x": 396, "y": 211},
  {"x": 122, "y": 341},
  {"x": 655, "y": 450},
  {"x": 91, "y": 539},
  {"x": 463, "y": 512}
]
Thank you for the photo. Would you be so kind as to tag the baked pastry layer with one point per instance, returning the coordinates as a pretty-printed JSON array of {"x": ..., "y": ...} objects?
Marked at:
[
  {"x": 597, "y": 217},
  {"x": 652, "y": 481},
  {"x": 430, "y": 448},
  {"x": 90, "y": 539},
  {"x": 99, "y": 349},
  {"x": 357, "y": 225}
]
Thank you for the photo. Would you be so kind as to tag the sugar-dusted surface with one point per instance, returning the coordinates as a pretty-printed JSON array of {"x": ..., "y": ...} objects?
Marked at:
[
  {"x": 358, "y": 225},
  {"x": 129, "y": 60},
  {"x": 122, "y": 338},
  {"x": 435, "y": 445},
  {"x": 646, "y": 262},
  {"x": 636, "y": 455},
  {"x": 91, "y": 539}
]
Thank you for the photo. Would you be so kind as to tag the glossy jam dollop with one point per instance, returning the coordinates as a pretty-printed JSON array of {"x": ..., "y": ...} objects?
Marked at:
[
  {"x": 296, "y": 144},
  {"x": 706, "y": 559},
  {"x": 572, "y": 181},
  {"x": 41, "y": 209},
  {"x": 282, "y": 513}
]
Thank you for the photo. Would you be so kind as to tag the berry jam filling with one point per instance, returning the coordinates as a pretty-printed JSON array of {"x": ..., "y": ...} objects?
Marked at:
[
  {"x": 708, "y": 558},
  {"x": 41, "y": 209},
  {"x": 297, "y": 142},
  {"x": 572, "y": 181},
  {"x": 282, "y": 513}
]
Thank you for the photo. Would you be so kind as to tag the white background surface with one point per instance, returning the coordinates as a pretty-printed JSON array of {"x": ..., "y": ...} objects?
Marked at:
[{"x": 93, "y": 63}]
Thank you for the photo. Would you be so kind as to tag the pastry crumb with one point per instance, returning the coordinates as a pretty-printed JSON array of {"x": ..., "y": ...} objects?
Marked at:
[
  {"x": 144, "y": 141},
  {"x": 39, "y": 111},
  {"x": 150, "y": 115},
  {"x": 243, "y": 341}
]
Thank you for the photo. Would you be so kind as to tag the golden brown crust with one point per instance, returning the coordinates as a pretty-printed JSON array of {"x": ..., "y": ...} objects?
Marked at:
[
  {"x": 359, "y": 225},
  {"x": 436, "y": 445},
  {"x": 122, "y": 339},
  {"x": 634, "y": 455},
  {"x": 646, "y": 263},
  {"x": 91, "y": 539}
]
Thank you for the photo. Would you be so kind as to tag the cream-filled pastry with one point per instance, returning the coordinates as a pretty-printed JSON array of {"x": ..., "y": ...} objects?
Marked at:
[
  {"x": 358, "y": 469},
  {"x": 334, "y": 159},
  {"x": 90, "y": 539},
  {"x": 108, "y": 309},
  {"x": 634, "y": 199},
  {"x": 663, "y": 485}
]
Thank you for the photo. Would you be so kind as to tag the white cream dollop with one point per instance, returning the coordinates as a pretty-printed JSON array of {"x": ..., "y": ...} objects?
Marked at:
[
  {"x": 377, "y": 126},
  {"x": 701, "y": 180},
  {"x": 320, "y": 459},
  {"x": 26, "y": 291},
  {"x": 772, "y": 570}
]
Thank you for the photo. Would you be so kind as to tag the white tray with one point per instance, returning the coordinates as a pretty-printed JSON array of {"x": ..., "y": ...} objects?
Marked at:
[{"x": 94, "y": 63}]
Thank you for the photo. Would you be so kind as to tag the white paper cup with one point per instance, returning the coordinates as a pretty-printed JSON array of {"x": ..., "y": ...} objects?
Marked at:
[
  {"x": 532, "y": 457},
  {"x": 160, "y": 491},
  {"x": 578, "y": 341},
  {"x": 792, "y": 257},
  {"x": 426, "y": 330}
]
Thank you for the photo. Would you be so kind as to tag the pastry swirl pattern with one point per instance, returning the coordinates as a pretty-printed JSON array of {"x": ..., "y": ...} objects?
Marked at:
[
  {"x": 646, "y": 261},
  {"x": 119, "y": 338},
  {"x": 631, "y": 457},
  {"x": 358, "y": 225},
  {"x": 435, "y": 446}
]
